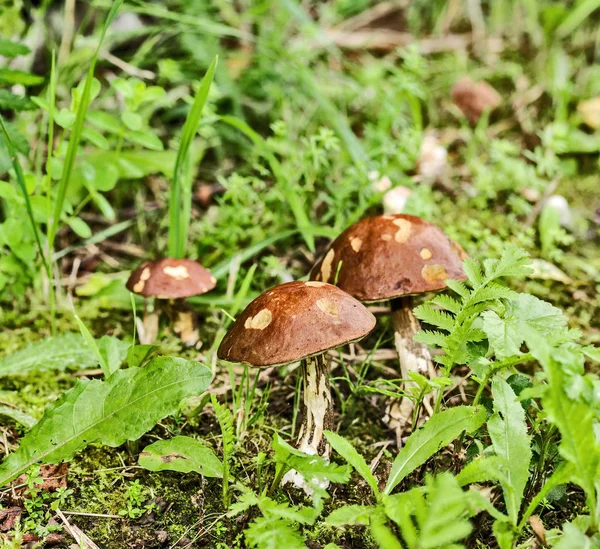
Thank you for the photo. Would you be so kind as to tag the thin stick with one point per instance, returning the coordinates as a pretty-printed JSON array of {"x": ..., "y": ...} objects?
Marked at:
[
  {"x": 76, "y": 533},
  {"x": 98, "y": 515}
]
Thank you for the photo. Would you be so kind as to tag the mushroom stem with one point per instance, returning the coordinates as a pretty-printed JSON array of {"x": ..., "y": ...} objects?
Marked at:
[
  {"x": 413, "y": 356},
  {"x": 148, "y": 330},
  {"x": 317, "y": 416},
  {"x": 317, "y": 408},
  {"x": 184, "y": 321}
]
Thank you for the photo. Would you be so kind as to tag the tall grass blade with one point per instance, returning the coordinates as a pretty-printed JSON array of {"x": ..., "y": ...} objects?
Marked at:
[
  {"x": 178, "y": 222},
  {"x": 75, "y": 136}
]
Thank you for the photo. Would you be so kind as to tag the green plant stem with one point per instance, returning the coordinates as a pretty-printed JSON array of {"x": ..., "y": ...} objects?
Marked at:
[{"x": 495, "y": 369}]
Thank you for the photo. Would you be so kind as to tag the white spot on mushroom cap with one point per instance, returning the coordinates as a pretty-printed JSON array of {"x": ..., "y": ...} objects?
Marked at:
[
  {"x": 426, "y": 254},
  {"x": 213, "y": 280},
  {"x": 314, "y": 284},
  {"x": 328, "y": 307},
  {"x": 386, "y": 236},
  {"x": 404, "y": 230},
  {"x": 139, "y": 285},
  {"x": 434, "y": 273},
  {"x": 355, "y": 243},
  {"x": 326, "y": 265},
  {"x": 179, "y": 272},
  {"x": 259, "y": 321}
]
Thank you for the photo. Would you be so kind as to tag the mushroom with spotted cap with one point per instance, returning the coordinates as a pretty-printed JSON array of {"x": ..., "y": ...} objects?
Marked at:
[
  {"x": 394, "y": 257},
  {"x": 299, "y": 321},
  {"x": 171, "y": 280}
]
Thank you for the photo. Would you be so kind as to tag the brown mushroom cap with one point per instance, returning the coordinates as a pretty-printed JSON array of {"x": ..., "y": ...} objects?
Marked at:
[
  {"x": 294, "y": 321},
  {"x": 472, "y": 98},
  {"x": 390, "y": 256},
  {"x": 170, "y": 279}
]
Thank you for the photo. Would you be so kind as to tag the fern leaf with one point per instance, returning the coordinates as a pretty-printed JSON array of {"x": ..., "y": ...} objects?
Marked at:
[
  {"x": 435, "y": 317},
  {"x": 459, "y": 287},
  {"x": 472, "y": 269},
  {"x": 447, "y": 302},
  {"x": 432, "y": 339}
]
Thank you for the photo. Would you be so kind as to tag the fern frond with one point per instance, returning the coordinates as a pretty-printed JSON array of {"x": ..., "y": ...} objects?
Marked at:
[
  {"x": 472, "y": 269},
  {"x": 513, "y": 262},
  {"x": 435, "y": 317},
  {"x": 490, "y": 292},
  {"x": 447, "y": 302},
  {"x": 432, "y": 339},
  {"x": 459, "y": 287},
  {"x": 225, "y": 419}
]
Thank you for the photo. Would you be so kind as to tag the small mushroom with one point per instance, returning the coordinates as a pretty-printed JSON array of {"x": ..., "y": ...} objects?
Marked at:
[
  {"x": 170, "y": 281},
  {"x": 299, "y": 321},
  {"x": 474, "y": 98},
  {"x": 394, "y": 257}
]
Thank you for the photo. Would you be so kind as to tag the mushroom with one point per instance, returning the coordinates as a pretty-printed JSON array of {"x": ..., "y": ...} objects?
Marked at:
[
  {"x": 474, "y": 98},
  {"x": 394, "y": 257},
  {"x": 299, "y": 321},
  {"x": 171, "y": 280}
]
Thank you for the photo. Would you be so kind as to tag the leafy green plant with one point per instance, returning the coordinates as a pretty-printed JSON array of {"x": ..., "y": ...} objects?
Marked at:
[
  {"x": 225, "y": 420},
  {"x": 182, "y": 454},
  {"x": 122, "y": 407},
  {"x": 135, "y": 501}
]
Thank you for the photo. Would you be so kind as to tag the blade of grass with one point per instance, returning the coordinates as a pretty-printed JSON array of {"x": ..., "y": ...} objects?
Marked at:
[
  {"x": 576, "y": 17},
  {"x": 178, "y": 223},
  {"x": 75, "y": 136},
  {"x": 302, "y": 220},
  {"x": 21, "y": 182}
]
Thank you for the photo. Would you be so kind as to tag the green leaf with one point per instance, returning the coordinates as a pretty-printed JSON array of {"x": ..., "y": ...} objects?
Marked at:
[
  {"x": 481, "y": 469},
  {"x": 382, "y": 534},
  {"x": 61, "y": 352},
  {"x": 181, "y": 185},
  {"x": 110, "y": 412},
  {"x": 350, "y": 514},
  {"x": 312, "y": 467},
  {"x": 433, "y": 517},
  {"x": 273, "y": 533},
  {"x": 506, "y": 334},
  {"x": 146, "y": 139},
  {"x": 18, "y": 415},
  {"x": 12, "y": 49},
  {"x": 436, "y": 433},
  {"x": 349, "y": 453},
  {"x": 182, "y": 454},
  {"x": 508, "y": 431},
  {"x": 12, "y": 77},
  {"x": 10, "y": 101}
]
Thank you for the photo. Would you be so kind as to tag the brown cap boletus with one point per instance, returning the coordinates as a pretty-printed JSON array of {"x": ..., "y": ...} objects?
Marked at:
[
  {"x": 474, "y": 98},
  {"x": 173, "y": 280},
  {"x": 299, "y": 321},
  {"x": 394, "y": 257}
]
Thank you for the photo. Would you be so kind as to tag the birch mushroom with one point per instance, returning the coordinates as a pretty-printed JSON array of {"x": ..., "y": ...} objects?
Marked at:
[
  {"x": 299, "y": 321},
  {"x": 394, "y": 257},
  {"x": 171, "y": 280}
]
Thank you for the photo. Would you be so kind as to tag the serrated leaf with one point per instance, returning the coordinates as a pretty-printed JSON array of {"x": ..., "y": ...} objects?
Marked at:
[
  {"x": 435, "y": 317},
  {"x": 273, "y": 533},
  {"x": 61, "y": 352},
  {"x": 506, "y": 334},
  {"x": 110, "y": 412},
  {"x": 511, "y": 442},
  {"x": 350, "y": 514},
  {"x": 349, "y": 453},
  {"x": 436, "y": 433},
  {"x": 182, "y": 454},
  {"x": 482, "y": 469},
  {"x": 382, "y": 534},
  {"x": 437, "y": 339}
]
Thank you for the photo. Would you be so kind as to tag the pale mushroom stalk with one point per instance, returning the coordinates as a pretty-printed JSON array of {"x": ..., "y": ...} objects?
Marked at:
[
  {"x": 317, "y": 416},
  {"x": 317, "y": 407},
  {"x": 413, "y": 357}
]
